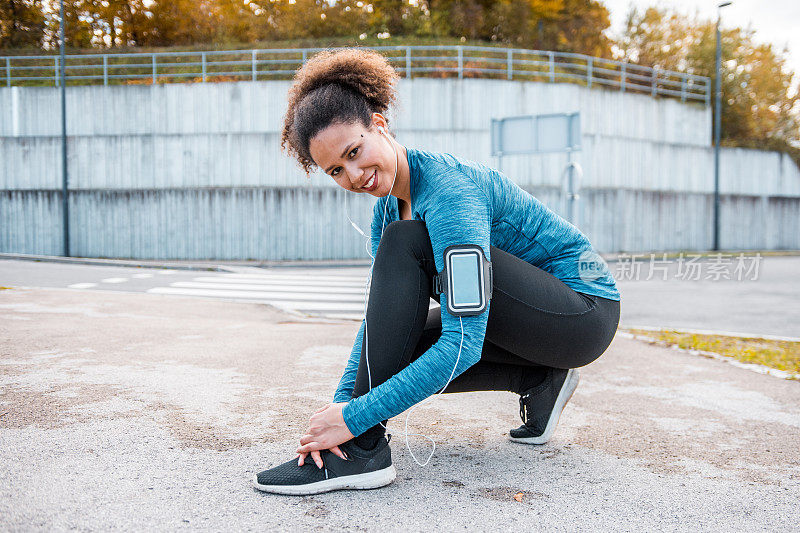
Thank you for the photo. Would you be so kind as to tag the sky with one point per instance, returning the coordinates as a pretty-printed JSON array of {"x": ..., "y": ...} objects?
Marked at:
[{"x": 774, "y": 21}]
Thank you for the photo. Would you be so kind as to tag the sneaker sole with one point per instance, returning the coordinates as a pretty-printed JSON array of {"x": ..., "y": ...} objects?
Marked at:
[
  {"x": 369, "y": 480},
  {"x": 570, "y": 384}
]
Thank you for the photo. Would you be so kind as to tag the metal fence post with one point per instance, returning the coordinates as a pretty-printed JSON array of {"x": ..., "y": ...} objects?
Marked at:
[
  {"x": 460, "y": 63},
  {"x": 552, "y": 68},
  {"x": 654, "y": 82},
  {"x": 155, "y": 74},
  {"x": 304, "y": 56},
  {"x": 105, "y": 69},
  {"x": 56, "y": 71},
  {"x": 589, "y": 71},
  {"x": 203, "y": 62},
  {"x": 623, "y": 77},
  {"x": 408, "y": 62},
  {"x": 253, "y": 62},
  {"x": 8, "y": 72},
  {"x": 510, "y": 63}
]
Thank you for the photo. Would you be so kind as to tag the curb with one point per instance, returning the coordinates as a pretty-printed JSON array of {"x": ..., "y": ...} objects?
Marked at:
[
  {"x": 714, "y": 332},
  {"x": 752, "y": 367},
  {"x": 114, "y": 262},
  {"x": 704, "y": 254},
  {"x": 228, "y": 266},
  {"x": 219, "y": 266}
]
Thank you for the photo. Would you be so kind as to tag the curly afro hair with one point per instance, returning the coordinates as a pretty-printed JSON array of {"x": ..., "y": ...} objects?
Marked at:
[{"x": 342, "y": 86}]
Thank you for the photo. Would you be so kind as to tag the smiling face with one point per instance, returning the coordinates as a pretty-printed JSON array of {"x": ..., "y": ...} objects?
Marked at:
[{"x": 359, "y": 159}]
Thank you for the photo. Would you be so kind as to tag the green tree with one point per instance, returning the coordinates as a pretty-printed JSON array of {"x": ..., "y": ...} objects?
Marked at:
[
  {"x": 126, "y": 23},
  {"x": 80, "y": 24},
  {"x": 389, "y": 16},
  {"x": 561, "y": 25},
  {"x": 580, "y": 27},
  {"x": 454, "y": 18},
  {"x": 345, "y": 18},
  {"x": 182, "y": 22},
  {"x": 518, "y": 22},
  {"x": 22, "y": 23},
  {"x": 757, "y": 109}
]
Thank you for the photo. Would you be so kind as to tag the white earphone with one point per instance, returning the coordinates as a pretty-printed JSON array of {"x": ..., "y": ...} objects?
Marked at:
[{"x": 364, "y": 340}]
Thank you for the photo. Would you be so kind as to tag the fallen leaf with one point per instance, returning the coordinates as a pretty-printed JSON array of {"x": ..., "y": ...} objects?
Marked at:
[{"x": 518, "y": 496}]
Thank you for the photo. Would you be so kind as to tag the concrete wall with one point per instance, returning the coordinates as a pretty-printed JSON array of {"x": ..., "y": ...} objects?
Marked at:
[{"x": 195, "y": 170}]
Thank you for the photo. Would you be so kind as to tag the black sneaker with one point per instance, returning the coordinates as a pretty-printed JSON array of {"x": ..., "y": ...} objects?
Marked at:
[
  {"x": 541, "y": 406},
  {"x": 364, "y": 469}
]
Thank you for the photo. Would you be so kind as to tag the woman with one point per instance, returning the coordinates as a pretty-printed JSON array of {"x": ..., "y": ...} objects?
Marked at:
[{"x": 548, "y": 313}]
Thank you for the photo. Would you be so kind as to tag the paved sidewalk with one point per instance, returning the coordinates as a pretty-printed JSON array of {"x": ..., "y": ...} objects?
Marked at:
[{"x": 142, "y": 412}]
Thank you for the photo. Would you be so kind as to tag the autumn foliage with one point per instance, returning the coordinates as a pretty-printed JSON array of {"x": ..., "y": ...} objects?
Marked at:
[
  {"x": 759, "y": 108},
  {"x": 565, "y": 25}
]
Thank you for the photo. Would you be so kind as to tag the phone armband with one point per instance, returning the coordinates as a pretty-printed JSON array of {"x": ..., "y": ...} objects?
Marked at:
[{"x": 466, "y": 280}]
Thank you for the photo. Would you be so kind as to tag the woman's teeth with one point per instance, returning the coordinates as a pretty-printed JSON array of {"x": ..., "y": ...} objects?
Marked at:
[{"x": 368, "y": 184}]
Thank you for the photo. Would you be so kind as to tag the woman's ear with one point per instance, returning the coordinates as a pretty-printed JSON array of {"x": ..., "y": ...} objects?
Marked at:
[{"x": 379, "y": 121}]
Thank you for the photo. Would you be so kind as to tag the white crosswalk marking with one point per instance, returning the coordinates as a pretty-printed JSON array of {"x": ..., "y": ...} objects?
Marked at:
[
  {"x": 308, "y": 293},
  {"x": 114, "y": 280},
  {"x": 349, "y": 280},
  {"x": 216, "y": 289},
  {"x": 309, "y": 284},
  {"x": 82, "y": 285}
]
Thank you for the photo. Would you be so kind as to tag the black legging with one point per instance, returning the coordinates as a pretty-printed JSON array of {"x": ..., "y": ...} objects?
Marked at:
[{"x": 535, "y": 320}]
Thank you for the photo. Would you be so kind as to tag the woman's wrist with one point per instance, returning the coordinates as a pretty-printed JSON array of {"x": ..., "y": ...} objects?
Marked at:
[{"x": 348, "y": 420}]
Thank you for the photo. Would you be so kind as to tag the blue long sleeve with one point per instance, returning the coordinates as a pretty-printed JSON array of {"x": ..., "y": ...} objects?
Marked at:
[
  {"x": 456, "y": 211},
  {"x": 344, "y": 391},
  {"x": 463, "y": 202}
]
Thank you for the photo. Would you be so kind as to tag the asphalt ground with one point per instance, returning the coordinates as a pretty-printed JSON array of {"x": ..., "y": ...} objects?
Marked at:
[
  {"x": 706, "y": 293},
  {"x": 151, "y": 412}
]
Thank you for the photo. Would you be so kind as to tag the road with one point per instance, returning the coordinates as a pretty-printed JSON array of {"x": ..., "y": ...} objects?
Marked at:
[
  {"x": 136, "y": 411},
  {"x": 766, "y": 301}
]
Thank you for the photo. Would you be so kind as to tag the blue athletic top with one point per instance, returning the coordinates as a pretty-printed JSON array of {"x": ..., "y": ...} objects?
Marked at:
[{"x": 463, "y": 202}]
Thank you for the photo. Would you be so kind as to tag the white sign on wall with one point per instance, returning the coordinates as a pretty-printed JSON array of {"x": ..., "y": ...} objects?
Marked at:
[
  {"x": 533, "y": 134},
  {"x": 538, "y": 134}
]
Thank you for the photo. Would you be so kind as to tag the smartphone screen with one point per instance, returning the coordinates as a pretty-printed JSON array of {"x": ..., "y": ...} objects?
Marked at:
[{"x": 465, "y": 279}]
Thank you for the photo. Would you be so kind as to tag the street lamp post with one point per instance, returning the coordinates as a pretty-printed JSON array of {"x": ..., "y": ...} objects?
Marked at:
[
  {"x": 64, "y": 181},
  {"x": 717, "y": 125}
]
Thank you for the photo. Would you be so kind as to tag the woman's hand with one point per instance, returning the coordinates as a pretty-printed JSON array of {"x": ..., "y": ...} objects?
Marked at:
[
  {"x": 317, "y": 458},
  {"x": 325, "y": 432}
]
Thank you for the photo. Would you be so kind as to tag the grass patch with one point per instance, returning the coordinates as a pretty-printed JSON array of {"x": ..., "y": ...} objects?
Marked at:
[{"x": 780, "y": 355}]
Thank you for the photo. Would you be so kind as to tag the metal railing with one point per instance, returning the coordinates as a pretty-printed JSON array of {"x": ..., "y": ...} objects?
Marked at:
[{"x": 410, "y": 61}]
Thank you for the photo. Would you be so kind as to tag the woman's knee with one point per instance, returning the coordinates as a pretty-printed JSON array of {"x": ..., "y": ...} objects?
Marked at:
[
  {"x": 402, "y": 236},
  {"x": 405, "y": 231}
]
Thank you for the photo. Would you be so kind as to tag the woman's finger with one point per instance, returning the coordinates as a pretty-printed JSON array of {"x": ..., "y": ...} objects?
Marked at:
[
  {"x": 305, "y": 439},
  {"x": 310, "y": 447},
  {"x": 338, "y": 452},
  {"x": 317, "y": 458},
  {"x": 301, "y": 458}
]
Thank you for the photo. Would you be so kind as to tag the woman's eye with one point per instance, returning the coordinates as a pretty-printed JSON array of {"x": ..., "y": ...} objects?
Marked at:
[{"x": 354, "y": 150}]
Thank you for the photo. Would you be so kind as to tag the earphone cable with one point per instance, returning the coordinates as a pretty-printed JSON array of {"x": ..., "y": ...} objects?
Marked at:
[{"x": 365, "y": 342}]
